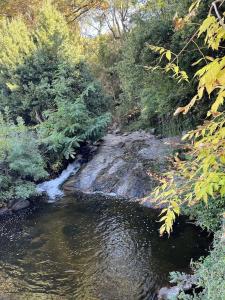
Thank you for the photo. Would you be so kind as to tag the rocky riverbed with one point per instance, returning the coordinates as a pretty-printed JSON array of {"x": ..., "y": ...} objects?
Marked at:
[{"x": 125, "y": 165}]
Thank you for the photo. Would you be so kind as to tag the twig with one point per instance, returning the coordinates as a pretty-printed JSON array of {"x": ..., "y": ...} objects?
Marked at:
[
  {"x": 214, "y": 5},
  {"x": 187, "y": 44},
  {"x": 199, "y": 49}
]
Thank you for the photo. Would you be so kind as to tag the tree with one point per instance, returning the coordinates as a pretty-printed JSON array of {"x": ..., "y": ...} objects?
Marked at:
[
  {"x": 16, "y": 43},
  {"x": 201, "y": 177},
  {"x": 50, "y": 82},
  {"x": 72, "y": 10},
  {"x": 13, "y": 8},
  {"x": 30, "y": 60},
  {"x": 80, "y": 112},
  {"x": 75, "y": 10},
  {"x": 44, "y": 80},
  {"x": 116, "y": 17}
]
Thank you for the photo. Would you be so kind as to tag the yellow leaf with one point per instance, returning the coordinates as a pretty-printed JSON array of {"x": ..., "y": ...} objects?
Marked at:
[
  {"x": 179, "y": 110},
  {"x": 162, "y": 230},
  {"x": 12, "y": 86},
  {"x": 205, "y": 198},
  {"x": 221, "y": 78},
  {"x": 162, "y": 219},
  {"x": 168, "y": 55},
  {"x": 197, "y": 62},
  {"x": 206, "y": 24},
  {"x": 200, "y": 92},
  {"x": 176, "y": 207},
  {"x": 209, "y": 58},
  {"x": 176, "y": 70},
  {"x": 194, "y": 5},
  {"x": 219, "y": 101}
]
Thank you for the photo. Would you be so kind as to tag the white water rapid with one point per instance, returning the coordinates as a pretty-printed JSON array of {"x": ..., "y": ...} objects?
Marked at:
[{"x": 53, "y": 187}]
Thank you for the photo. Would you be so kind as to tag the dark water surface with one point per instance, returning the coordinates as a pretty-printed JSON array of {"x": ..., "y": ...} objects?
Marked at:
[{"x": 91, "y": 250}]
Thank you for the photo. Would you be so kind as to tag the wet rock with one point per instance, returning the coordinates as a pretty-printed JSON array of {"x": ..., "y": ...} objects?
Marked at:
[
  {"x": 169, "y": 293},
  {"x": 122, "y": 165},
  {"x": 11, "y": 203},
  {"x": 22, "y": 204},
  {"x": 152, "y": 130},
  {"x": 186, "y": 283},
  {"x": 5, "y": 211}
]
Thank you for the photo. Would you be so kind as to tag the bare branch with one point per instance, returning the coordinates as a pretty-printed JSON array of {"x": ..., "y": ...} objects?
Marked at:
[{"x": 214, "y": 6}]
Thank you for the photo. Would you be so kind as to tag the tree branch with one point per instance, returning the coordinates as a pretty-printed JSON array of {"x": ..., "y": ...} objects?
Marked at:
[{"x": 214, "y": 6}]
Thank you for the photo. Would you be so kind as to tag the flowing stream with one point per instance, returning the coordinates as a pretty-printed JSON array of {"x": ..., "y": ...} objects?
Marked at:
[
  {"x": 53, "y": 187},
  {"x": 86, "y": 249}
]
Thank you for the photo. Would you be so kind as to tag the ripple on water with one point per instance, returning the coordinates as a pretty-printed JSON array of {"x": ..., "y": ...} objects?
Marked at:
[{"x": 87, "y": 250}]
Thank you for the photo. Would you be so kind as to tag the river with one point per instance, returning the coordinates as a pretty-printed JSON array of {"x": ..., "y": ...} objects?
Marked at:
[{"x": 91, "y": 250}]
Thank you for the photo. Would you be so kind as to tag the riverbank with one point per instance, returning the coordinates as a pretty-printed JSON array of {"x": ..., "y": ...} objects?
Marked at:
[{"x": 124, "y": 167}]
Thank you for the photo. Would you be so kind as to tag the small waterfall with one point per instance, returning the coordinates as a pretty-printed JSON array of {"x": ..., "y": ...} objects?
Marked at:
[{"x": 53, "y": 187}]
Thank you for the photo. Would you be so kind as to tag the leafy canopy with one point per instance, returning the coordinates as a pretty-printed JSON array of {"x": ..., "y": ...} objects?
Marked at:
[{"x": 201, "y": 176}]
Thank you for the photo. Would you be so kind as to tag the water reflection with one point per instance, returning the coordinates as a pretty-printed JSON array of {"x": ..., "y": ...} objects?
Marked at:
[{"x": 91, "y": 250}]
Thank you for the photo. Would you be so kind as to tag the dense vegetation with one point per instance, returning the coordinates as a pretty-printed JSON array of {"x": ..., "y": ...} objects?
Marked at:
[
  {"x": 152, "y": 57},
  {"x": 50, "y": 103}
]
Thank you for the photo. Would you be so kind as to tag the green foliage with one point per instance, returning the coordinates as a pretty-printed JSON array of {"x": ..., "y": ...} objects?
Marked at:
[
  {"x": 209, "y": 275},
  {"x": 16, "y": 43},
  {"x": 22, "y": 190},
  {"x": 53, "y": 89},
  {"x": 69, "y": 125},
  {"x": 54, "y": 35},
  {"x": 24, "y": 157},
  {"x": 103, "y": 63},
  {"x": 20, "y": 160},
  {"x": 211, "y": 272},
  {"x": 200, "y": 178},
  {"x": 79, "y": 112},
  {"x": 43, "y": 80},
  {"x": 198, "y": 182},
  {"x": 155, "y": 94},
  {"x": 27, "y": 88},
  {"x": 208, "y": 217},
  {"x": 196, "y": 186}
]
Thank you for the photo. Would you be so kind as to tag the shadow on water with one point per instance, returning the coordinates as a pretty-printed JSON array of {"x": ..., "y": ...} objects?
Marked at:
[{"x": 89, "y": 250}]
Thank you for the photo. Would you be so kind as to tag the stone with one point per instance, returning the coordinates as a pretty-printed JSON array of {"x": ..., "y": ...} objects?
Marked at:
[
  {"x": 5, "y": 211},
  {"x": 152, "y": 130},
  {"x": 171, "y": 293},
  {"x": 21, "y": 204},
  {"x": 122, "y": 164},
  {"x": 117, "y": 131},
  {"x": 11, "y": 203}
]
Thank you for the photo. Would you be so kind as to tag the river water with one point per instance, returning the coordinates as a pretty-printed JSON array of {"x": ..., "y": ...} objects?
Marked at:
[{"x": 91, "y": 250}]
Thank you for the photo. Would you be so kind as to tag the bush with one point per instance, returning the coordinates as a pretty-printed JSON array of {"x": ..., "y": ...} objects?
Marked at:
[
  {"x": 69, "y": 125},
  {"x": 20, "y": 160},
  {"x": 157, "y": 94},
  {"x": 52, "y": 88},
  {"x": 208, "y": 217},
  {"x": 209, "y": 274}
]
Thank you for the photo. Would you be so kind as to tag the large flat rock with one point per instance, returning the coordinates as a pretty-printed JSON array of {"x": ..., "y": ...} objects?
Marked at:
[{"x": 124, "y": 165}]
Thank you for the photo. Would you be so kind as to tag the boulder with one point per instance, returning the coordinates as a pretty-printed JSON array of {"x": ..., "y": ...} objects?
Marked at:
[
  {"x": 171, "y": 293},
  {"x": 5, "y": 211},
  {"x": 21, "y": 204},
  {"x": 123, "y": 165}
]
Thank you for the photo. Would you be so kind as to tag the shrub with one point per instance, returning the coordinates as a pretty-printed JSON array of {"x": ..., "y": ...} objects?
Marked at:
[{"x": 20, "y": 160}]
